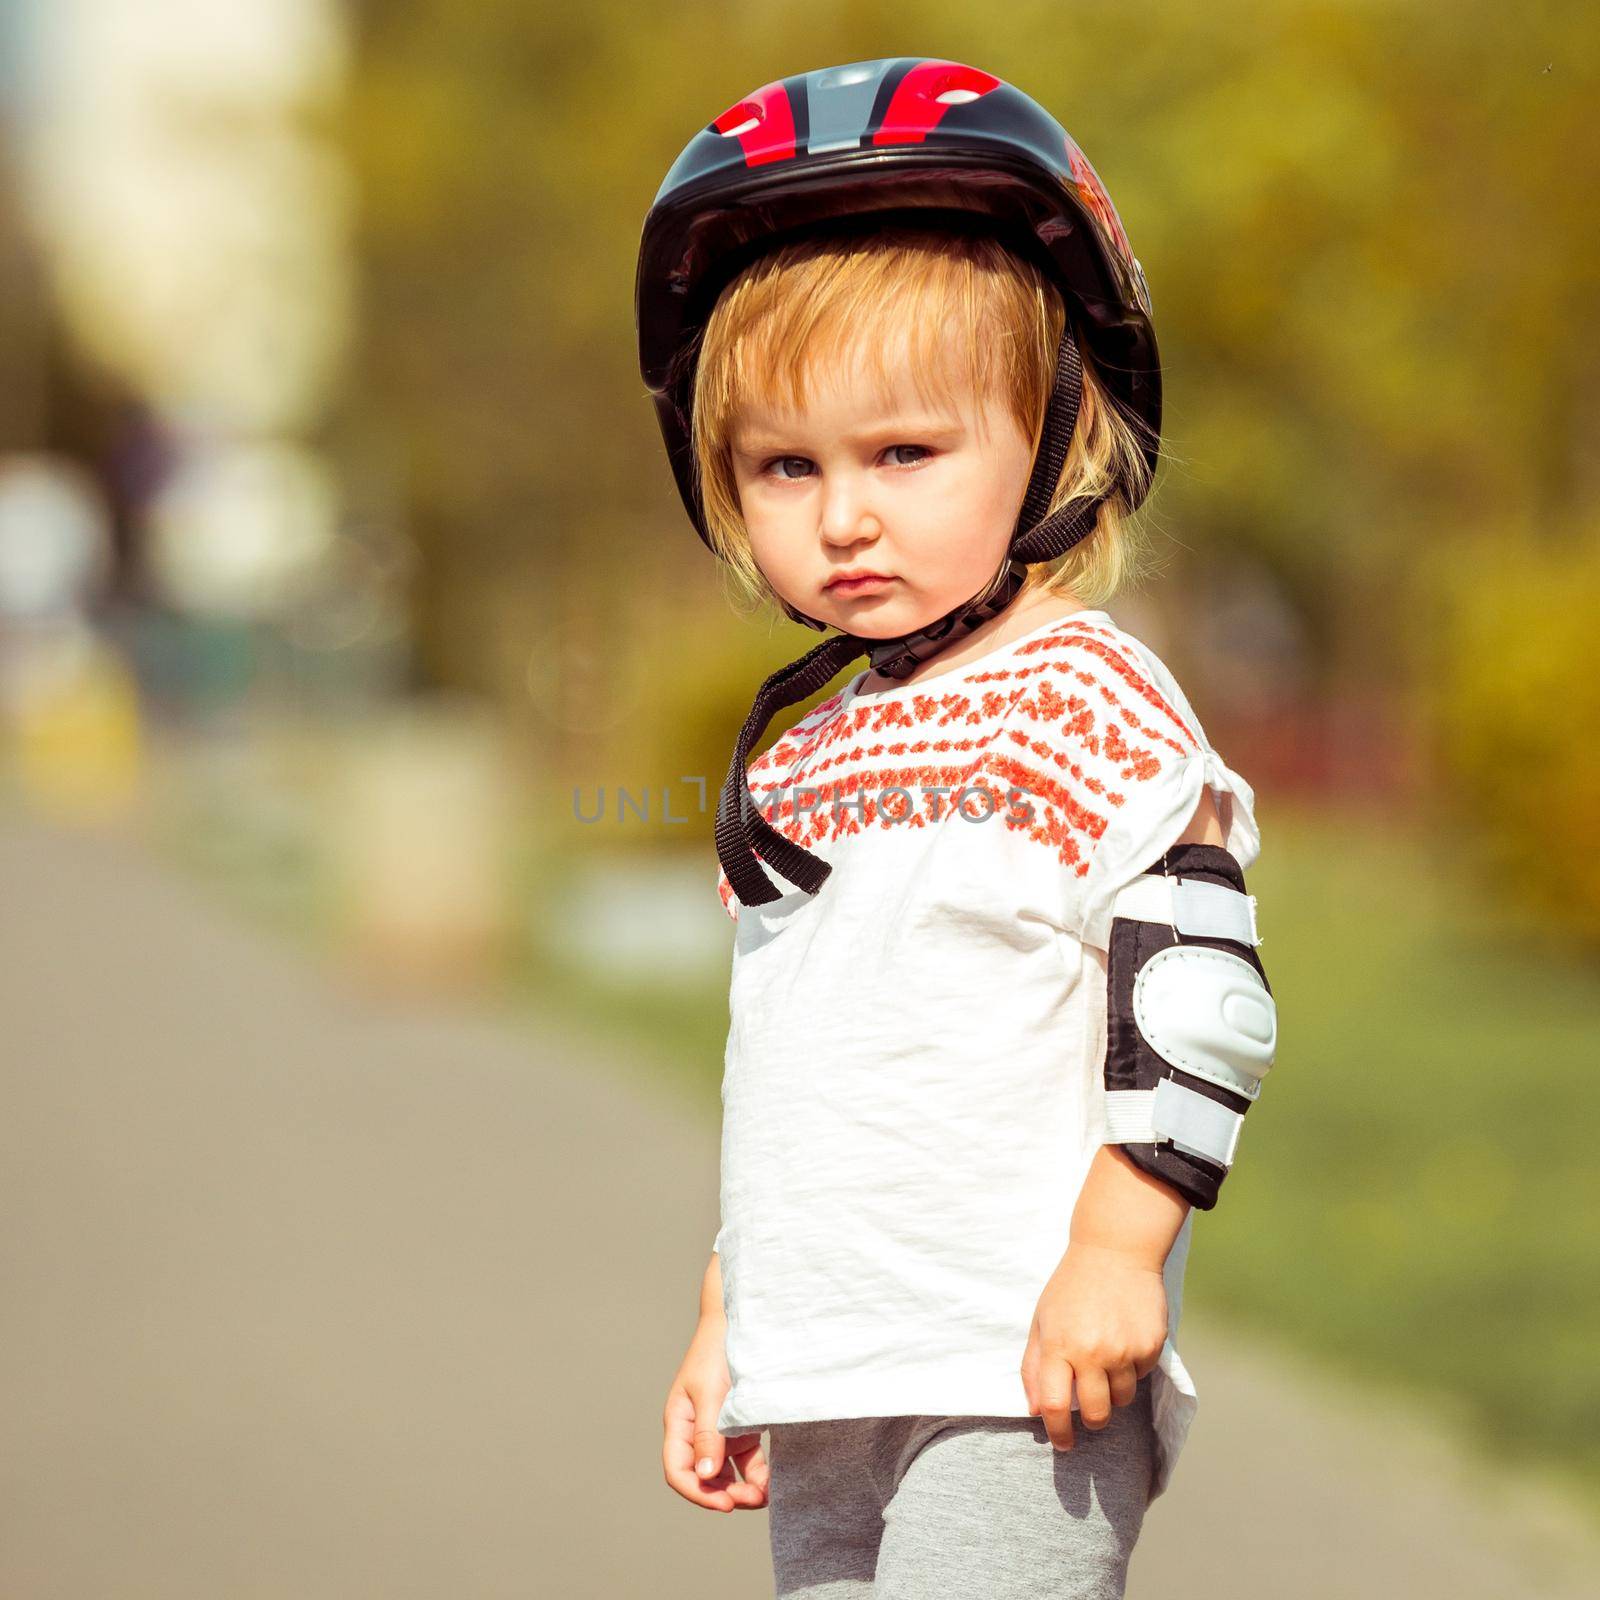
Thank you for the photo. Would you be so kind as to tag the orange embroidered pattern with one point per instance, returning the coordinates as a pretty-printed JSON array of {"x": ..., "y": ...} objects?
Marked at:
[{"x": 1068, "y": 719}]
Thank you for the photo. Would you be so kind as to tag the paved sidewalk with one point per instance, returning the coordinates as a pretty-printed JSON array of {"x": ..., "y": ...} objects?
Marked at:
[{"x": 309, "y": 1296}]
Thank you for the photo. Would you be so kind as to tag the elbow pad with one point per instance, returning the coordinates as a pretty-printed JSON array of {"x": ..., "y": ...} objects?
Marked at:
[{"x": 1191, "y": 1025}]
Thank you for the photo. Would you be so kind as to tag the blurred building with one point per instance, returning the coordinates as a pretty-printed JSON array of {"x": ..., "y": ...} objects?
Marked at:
[{"x": 190, "y": 563}]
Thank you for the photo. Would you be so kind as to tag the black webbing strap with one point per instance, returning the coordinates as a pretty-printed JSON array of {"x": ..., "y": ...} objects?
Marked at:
[{"x": 740, "y": 827}]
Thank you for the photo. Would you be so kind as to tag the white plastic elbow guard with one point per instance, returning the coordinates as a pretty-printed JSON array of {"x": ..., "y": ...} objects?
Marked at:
[{"x": 1191, "y": 1027}]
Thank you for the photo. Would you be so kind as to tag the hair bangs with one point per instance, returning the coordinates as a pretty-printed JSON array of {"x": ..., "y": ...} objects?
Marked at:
[{"x": 957, "y": 315}]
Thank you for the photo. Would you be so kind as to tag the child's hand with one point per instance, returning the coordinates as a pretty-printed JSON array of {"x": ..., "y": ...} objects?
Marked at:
[
  {"x": 1100, "y": 1324},
  {"x": 691, "y": 1438}
]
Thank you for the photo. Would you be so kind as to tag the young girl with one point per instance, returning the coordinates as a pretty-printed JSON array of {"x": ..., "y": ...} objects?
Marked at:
[{"x": 995, "y": 1036}]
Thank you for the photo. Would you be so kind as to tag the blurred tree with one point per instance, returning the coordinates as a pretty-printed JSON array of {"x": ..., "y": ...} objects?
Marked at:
[
  {"x": 1516, "y": 703},
  {"x": 1366, "y": 230}
]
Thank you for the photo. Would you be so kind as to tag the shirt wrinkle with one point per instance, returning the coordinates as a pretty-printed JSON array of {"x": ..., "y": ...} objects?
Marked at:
[{"x": 912, "y": 1090}]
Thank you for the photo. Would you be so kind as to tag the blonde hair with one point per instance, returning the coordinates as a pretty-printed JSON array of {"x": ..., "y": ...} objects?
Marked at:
[{"x": 849, "y": 298}]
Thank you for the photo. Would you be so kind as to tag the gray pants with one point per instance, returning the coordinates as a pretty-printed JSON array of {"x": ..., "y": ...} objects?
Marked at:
[{"x": 927, "y": 1508}]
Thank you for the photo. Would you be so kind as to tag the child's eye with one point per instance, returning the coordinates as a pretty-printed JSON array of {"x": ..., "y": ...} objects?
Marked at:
[
  {"x": 925, "y": 451},
  {"x": 777, "y": 462}
]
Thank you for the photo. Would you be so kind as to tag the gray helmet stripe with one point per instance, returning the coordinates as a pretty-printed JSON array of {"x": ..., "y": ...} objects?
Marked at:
[{"x": 840, "y": 101}]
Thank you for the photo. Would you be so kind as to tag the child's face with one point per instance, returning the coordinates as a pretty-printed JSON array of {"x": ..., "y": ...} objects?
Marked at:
[{"x": 923, "y": 496}]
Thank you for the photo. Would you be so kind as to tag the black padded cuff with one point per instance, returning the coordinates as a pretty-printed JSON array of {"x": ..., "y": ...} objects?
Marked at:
[
  {"x": 1130, "y": 1061},
  {"x": 1195, "y": 1179}
]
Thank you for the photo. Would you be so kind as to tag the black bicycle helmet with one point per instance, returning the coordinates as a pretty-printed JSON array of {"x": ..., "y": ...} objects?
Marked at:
[{"x": 858, "y": 147}]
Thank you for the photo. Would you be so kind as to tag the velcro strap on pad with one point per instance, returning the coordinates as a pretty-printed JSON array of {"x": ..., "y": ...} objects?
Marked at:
[
  {"x": 1196, "y": 909},
  {"x": 1128, "y": 1114},
  {"x": 1192, "y": 1121}
]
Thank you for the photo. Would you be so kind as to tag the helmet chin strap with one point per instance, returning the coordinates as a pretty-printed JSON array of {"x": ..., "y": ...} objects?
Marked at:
[
  {"x": 739, "y": 826},
  {"x": 897, "y": 657}
]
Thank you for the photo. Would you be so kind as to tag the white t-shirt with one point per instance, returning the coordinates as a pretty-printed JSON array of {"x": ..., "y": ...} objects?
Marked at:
[{"x": 913, "y": 1092}]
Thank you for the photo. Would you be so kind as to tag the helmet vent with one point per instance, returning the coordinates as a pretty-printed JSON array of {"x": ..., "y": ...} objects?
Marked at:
[{"x": 843, "y": 77}]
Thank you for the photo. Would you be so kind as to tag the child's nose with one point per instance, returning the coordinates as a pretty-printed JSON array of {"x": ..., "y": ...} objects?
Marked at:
[{"x": 847, "y": 512}]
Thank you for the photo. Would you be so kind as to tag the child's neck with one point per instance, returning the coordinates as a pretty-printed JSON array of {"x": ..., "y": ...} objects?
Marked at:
[{"x": 1031, "y": 612}]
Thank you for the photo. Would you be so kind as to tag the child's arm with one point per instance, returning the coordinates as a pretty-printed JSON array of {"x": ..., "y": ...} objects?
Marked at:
[
  {"x": 1122, "y": 1207},
  {"x": 1102, "y": 1319},
  {"x": 690, "y": 1438}
]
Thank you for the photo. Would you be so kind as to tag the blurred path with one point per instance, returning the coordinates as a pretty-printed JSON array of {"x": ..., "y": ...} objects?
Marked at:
[{"x": 310, "y": 1296}]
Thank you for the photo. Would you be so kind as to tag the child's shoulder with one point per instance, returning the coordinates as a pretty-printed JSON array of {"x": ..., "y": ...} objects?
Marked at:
[
  {"x": 1094, "y": 678},
  {"x": 1104, "y": 736}
]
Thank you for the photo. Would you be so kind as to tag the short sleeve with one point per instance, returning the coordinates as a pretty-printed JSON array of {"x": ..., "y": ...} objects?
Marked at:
[{"x": 1130, "y": 760}]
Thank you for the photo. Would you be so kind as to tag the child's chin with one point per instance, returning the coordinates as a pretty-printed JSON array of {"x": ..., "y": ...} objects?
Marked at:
[
  {"x": 871, "y": 628},
  {"x": 872, "y": 617}
]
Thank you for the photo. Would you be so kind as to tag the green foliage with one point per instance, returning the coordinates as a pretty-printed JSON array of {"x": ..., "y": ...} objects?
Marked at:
[
  {"x": 1415, "y": 1195},
  {"x": 1516, "y": 695},
  {"x": 1366, "y": 231}
]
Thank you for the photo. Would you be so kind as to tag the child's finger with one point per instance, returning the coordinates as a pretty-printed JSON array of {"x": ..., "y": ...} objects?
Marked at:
[
  {"x": 686, "y": 1482},
  {"x": 678, "y": 1452},
  {"x": 679, "y": 1470},
  {"x": 1030, "y": 1373},
  {"x": 1094, "y": 1397},
  {"x": 752, "y": 1465},
  {"x": 1055, "y": 1401},
  {"x": 747, "y": 1496},
  {"x": 750, "y": 1458},
  {"x": 1124, "y": 1385},
  {"x": 708, "y": 1452},
  {"x": 742, "y": 1451}
]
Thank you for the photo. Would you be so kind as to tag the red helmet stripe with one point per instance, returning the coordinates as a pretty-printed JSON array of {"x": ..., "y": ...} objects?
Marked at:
[
  {"x": 763, "y": 123},
  {"x": 916, "y": 106},
  {"x": 1096, "y": 199}
]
